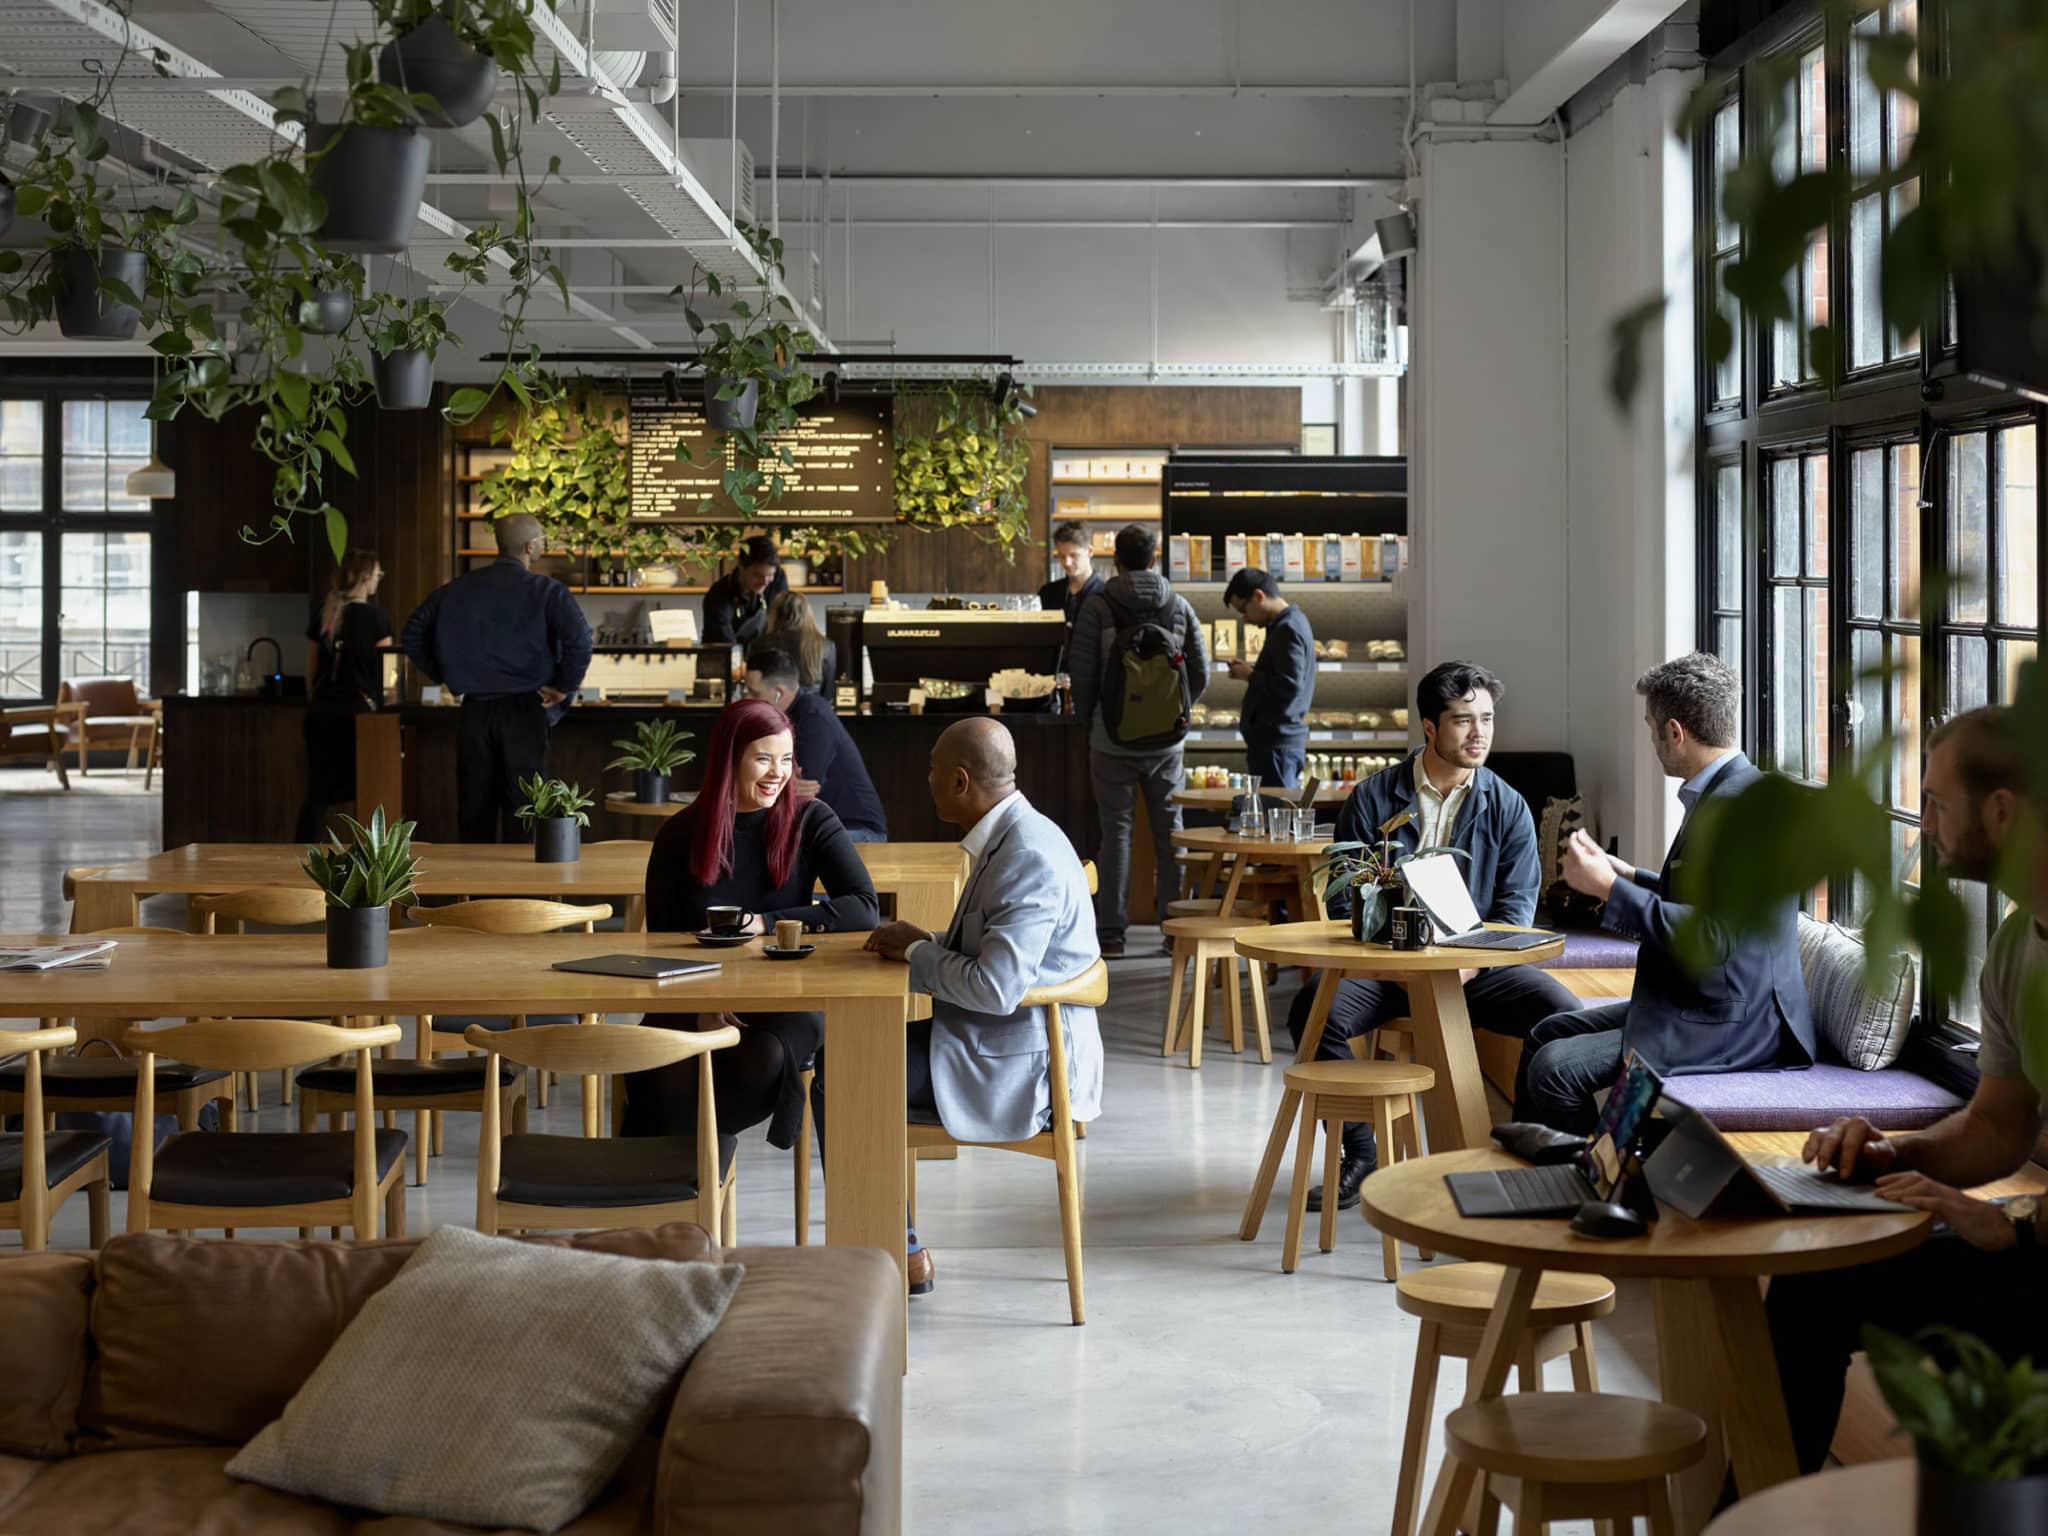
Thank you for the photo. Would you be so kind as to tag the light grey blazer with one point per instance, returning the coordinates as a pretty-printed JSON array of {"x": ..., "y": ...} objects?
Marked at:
[{"x": 1025, "y": 920}]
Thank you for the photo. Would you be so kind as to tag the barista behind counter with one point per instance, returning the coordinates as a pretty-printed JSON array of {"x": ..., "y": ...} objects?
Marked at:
[{"x": 736, "y": 605}]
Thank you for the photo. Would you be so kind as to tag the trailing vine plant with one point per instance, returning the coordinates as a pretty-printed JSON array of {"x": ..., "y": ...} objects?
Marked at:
[{"x": 960, "y": 463}]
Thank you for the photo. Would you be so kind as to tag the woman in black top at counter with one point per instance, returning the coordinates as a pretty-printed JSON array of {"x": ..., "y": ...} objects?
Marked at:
[
  {"x": 346, "y": 640},
  {"x": 748, "y": 841}
]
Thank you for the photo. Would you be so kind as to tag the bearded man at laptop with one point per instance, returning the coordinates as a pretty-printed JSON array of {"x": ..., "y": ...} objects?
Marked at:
[{"x": 1449, "y": 798}]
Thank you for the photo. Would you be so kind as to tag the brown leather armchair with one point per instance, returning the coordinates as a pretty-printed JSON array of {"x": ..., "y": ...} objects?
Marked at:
[
  {"x": 105, "y": 710},
  {"x": 36, "y": 733},
  {"x": 129, "y": 1380}
]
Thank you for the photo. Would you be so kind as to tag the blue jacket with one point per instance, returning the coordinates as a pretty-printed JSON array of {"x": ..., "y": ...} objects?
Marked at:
[
  {"x": 500, "y": 629},
  {"x": 1283, "y": 681},
  {"x": 825, "y": 752},
  {"x": 1494, "y": 827},
  {"x": 1745, "y": 1011}
]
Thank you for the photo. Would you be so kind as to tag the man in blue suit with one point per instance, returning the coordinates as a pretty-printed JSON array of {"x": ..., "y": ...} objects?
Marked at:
[
  {"x": 1442, "y": 796},
  {"x": 1747, "y": 1009},
  {"x": 1024, "y": 920}
]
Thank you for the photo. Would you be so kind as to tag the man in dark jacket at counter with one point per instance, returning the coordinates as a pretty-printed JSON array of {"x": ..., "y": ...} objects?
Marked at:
[
  {"x": 1274, "y": 716},
  {"x": 1449, "y": 799},
  {"x": 514, "y": 644},
  {"x": 736, "y": 606},
  {"x": 1069, "y": 591},
  {"x": 825, "y": 754},
  {"x": 1135, "y": 596}
]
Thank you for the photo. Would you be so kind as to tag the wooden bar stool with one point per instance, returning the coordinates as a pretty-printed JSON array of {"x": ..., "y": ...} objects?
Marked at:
[
  {"x": 1454, "y": 1301},
  {"x": 1207, "y": 942},
  {"x": 1336, "y": 1093},
  {"x": 1576, "y": 1456}
]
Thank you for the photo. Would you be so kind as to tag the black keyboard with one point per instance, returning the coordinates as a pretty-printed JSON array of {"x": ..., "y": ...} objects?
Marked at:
[
  {"x": 1545, "y": 1187},
  {"x": 1810, "y": 1189}
]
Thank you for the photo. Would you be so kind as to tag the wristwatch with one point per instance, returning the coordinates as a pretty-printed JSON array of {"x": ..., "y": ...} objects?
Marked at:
[{"x": 2021, "y": 1212}]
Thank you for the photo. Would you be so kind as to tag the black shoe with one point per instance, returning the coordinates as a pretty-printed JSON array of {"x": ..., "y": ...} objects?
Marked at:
[
  {"x": 1349, "y": 1177},
  {"x": 1111, "y": 949}
]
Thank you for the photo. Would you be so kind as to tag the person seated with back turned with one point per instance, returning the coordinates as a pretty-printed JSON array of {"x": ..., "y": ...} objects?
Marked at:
[
  {"x": 736, "y": 605},
  {"x": 748, "y": 840},
  {"x": 1023, "y": 921},
  {"x": 825, "y": 754},
  {"x": 1987, "y": 1273},
  {"x": 1444, "y": 796},
  {"x": 1746, "y": 1011}
]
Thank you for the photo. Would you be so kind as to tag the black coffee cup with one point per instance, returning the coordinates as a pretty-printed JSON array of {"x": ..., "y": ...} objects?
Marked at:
[
  {"x": 1409, "y": 928},
  {"x": 723, "y": 920}
]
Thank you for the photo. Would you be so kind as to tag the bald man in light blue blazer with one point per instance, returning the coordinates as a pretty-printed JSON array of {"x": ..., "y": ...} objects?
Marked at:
[{"x": 1024, "y": 920}]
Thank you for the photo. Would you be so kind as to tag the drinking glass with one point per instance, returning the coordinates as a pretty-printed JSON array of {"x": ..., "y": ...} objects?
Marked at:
[
  {"x": 1279, "y": 824},
  {"x": 1304, "y": 824}
]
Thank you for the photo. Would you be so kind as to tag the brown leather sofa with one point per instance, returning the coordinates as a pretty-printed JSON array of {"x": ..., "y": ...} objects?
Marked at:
[{"x": 128, "y": 1380}]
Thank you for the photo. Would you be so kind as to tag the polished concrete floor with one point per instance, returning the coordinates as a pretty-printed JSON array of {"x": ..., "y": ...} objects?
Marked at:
[{"x": 1208, "y": 1391}]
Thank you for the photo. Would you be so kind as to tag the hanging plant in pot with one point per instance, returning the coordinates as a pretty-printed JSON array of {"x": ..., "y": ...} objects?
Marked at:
[
  {"x": 451, "y": 52},
  {"x": 405, "y": 334},
  {"x": 370, "y": 166},
  {"x": 362, "y": 876},
  {"x": 556, "y": 811},
  {"x": 1979, "y": 1426},
  {"x": 653, "y": 752},
  {"x": 324, "y": 300}
]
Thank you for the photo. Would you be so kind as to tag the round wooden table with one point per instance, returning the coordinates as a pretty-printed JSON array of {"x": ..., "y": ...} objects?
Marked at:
[
  {"x": 620, "y": 802},
  {"x": 1231, "y": 855},
  {"x": 1876, "y": 1499},
  {"x": 1455, "y": 1109},
  {"x": 1713, "y": 1346},
  {"x": 1223, "y": 799}
]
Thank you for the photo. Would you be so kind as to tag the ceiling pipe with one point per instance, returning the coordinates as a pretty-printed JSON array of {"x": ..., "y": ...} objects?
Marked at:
[{"x": 664, "y": 88}]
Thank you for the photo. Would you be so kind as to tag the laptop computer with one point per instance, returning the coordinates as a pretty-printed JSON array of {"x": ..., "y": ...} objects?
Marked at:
[
  {"x": 638, "y": 967},
  {"x": 1559, "y": 1189},
  {"x": 1697, "y": 1171},
  {"x": 1438, "y": 887}
]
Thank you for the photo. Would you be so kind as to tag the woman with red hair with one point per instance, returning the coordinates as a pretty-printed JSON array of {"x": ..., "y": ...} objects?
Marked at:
[{"x": 748, "y": 841}]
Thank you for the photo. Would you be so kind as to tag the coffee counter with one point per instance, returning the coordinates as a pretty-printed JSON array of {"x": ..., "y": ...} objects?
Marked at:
[{"x": 235, "y": 768}]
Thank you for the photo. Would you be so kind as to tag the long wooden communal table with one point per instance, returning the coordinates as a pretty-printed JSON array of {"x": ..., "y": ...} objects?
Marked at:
[
  {"x": 864, "y": 999},
  {"x": 925, "y": 878}
]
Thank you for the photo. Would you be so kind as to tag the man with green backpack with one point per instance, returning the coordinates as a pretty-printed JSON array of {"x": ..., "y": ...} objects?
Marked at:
[{"x": 1138, "y": 662}]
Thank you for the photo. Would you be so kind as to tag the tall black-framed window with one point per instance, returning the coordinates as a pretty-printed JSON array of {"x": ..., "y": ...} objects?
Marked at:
[
  {"x": 1822, "y": 505},
  {"x": 77, "y": 588}
]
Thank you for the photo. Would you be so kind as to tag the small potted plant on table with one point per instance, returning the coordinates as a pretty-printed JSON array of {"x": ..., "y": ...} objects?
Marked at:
[
  {"x": 1371, "y": 872},
  {"x": 557, "y": 812},
  {"x": 653, "y": 752},
  {"x": 362, "y": 877},
  {"x": 1979, "y": 1428}
]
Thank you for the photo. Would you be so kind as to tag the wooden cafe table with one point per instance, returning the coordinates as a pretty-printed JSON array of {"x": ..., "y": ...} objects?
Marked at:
[
  {"x": 925, "y": 878},
  {"x": 1224, "y": 799},
  {"x": 1455, "y": 1109},
  {"x": 864, "y": 1000},
  {"x": 1713, "y": 1346},
  {"x": 1221, "y": 844}
]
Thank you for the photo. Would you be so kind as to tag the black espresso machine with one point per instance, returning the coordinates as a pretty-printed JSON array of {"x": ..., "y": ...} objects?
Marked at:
[{"x": 951, "y": 645}]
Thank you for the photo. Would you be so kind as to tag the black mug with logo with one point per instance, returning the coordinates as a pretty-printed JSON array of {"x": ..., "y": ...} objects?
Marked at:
[{"x": 1409, "y": 928}]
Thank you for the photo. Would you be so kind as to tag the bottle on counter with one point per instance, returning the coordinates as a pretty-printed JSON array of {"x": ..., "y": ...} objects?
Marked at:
[{"x": 1066, "y": 687}]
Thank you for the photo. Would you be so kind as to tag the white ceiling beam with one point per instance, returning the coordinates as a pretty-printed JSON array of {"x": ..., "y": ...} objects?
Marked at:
[
  {"x": 1556, "y": 47},
  {"x": 1058, "y": 90}
]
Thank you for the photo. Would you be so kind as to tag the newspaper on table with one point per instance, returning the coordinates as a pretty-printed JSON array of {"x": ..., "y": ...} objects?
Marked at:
[{"x": 87, "y": 955}]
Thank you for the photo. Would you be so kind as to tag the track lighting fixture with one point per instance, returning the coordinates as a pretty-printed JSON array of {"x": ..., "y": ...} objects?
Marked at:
[
  {"x": 832, "y": 386},
  {"x": 671, "y": 387},
  {"x": 1004, "y": 384}
]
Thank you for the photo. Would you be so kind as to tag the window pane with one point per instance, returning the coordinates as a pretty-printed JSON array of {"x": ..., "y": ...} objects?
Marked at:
[
  {"x": 1905, "y": 593},
  {"x": 118, "y": 499},
  {"x": 1817, "y": 309},
  {"x": 1968, "y": 1007},
  {"x": 1866, "y": 532},
  {"x": 1866, "y": 111},
  {"x": 1818, "y": 682},
  {"x": 2012, "y": 655},
  {"x": 1969, "y": 527},
  {"x": 1906, "y": 723},
  {"x": 1866, "y": 690},
  {"x": 85, "y": 426},
  {"x": 1905, "y": 17},
  {"x": 21, "y": 615},
  {"x": 1785, "y": 517},
  {"x": 1904, "y": 198},
  {"x": 1727, "y": 154},
  {"x": 1728, "y": 536},
  {"x": 1814, "y": 477},
  {"x": 103, "y": 622},
  {"x": 1968, "y": 677},
  {"x": 85, "y": 484},
  {"x": 1866, "y": 308},
  {"x": 21, "y": 484},
  {"x": 2019, "y": 575},
  {"x": 127, "y": 429},
  {"x": 21, "y": 427},
  {"x": 1728, "y": 643},
  {"x": 1906, "y": 855},
  {"x": 1813, "y": 111},
  {"x": 1728, "y": 367},
  {"x": 1788, "y": 703}
]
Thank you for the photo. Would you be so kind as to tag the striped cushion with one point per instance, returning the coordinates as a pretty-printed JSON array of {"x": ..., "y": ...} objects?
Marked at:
[{"x": 1864, "y": 1029}]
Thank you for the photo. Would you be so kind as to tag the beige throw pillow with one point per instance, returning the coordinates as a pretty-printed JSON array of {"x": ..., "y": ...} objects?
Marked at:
[
  {"x": 492, "y": 1382},
  {"x": 1868, "y": 1030}
]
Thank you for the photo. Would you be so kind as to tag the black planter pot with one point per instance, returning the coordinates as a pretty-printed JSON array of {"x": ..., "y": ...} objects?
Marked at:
[
  {"x": 431, "y": 58},
  {"x": 358, "y": 938},
  {"x": 736, "y": 414},
  {"x": 404, "y": 379},
  {"x": 650, "y": 788},
  {"x": 373, "y": 179},
  {"x": 1370, "y": 926},
  {"x": 6, "y": 205},
  {"x": 327, "y": 313},
  {"x": 83, "y": 312},
  {"x": 2009, "y": 1507},
  {"x": 557, "y": 840}
]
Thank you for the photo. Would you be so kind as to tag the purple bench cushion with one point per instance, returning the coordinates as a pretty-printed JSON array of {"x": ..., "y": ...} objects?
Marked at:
[
  {"x": 1893, "y": 1099},
  {"x": 1594, "y": 952}
]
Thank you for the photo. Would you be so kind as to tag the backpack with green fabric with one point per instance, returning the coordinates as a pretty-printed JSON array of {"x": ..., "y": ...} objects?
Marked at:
[{"x": 1145, "y": 696}]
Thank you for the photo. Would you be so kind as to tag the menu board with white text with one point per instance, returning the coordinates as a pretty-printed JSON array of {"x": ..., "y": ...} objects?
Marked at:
[{"x": 844, "y": 470}]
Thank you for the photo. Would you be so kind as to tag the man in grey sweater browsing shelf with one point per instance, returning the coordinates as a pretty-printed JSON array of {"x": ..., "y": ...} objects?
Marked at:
[{"x": 1135, "y": 597}]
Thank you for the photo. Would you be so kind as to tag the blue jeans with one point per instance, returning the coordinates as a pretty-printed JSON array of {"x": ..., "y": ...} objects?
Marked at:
[
  {"x": 865, "y": 835},
  {"x": 1277, "y": 767}
]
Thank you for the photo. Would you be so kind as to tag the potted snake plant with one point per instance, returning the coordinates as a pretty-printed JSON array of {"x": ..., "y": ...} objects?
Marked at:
[
  {"x": 653, "y": 752},
  {"x": 362, "y": 875},
  {"x": 556, "y": 811}
]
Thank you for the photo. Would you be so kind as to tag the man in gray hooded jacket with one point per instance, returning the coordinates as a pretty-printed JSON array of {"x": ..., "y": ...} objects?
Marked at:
[{"x": 1136, "y": 595}]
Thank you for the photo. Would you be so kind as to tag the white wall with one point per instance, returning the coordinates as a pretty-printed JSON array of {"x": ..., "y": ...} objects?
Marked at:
[{"x": 1488, "y": 426}]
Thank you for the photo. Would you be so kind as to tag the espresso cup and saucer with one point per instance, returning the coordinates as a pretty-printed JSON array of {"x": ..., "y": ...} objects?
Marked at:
[
  {"x": 724, "y": 927},
  {"x": 789, "y": 942}
]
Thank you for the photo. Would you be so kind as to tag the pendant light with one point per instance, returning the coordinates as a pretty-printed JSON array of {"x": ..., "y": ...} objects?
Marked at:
[{"x": 156, "y": 480}]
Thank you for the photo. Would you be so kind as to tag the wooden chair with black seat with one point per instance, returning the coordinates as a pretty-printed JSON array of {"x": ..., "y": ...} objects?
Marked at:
[
  {"x": 270, "y": 906},
  {"x": 40, "y": 1168},
  {"x": 202, "y": 1179},
  {"x": 449, "y": 1032},
  {"x": 528, "y": 1182},
  {"x": 36, "y": 733},
  {"x": 436, "y": 1087}
]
